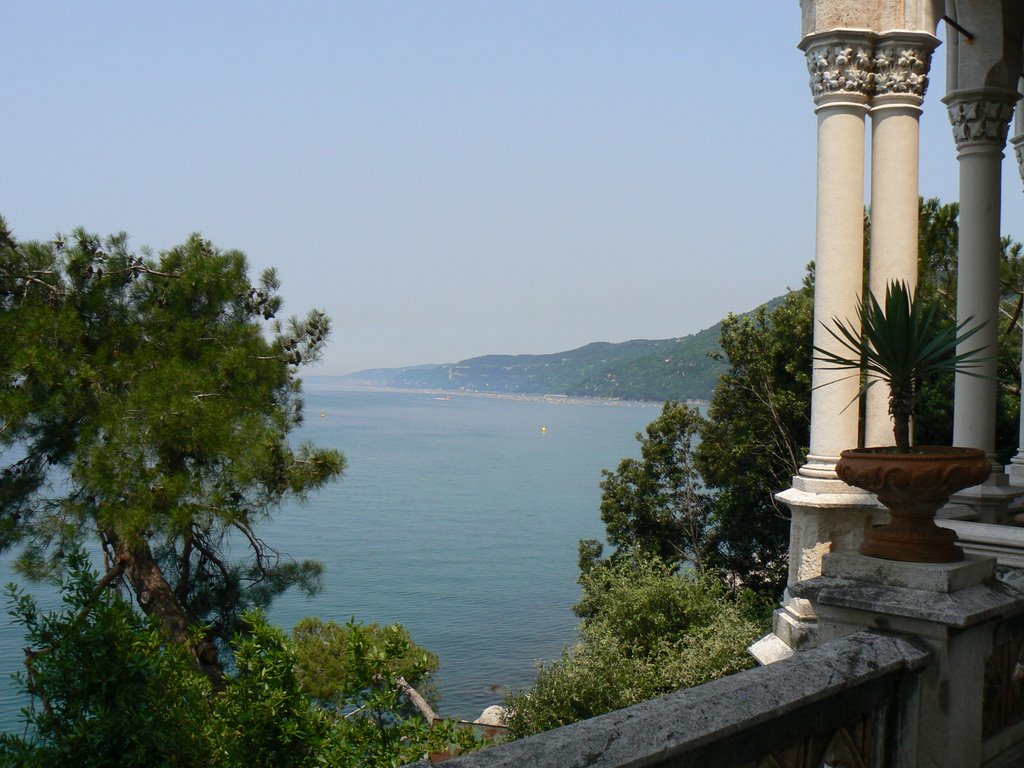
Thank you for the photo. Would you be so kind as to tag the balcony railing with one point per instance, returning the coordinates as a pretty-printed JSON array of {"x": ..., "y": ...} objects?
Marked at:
[{"x": 833, "y": 705}]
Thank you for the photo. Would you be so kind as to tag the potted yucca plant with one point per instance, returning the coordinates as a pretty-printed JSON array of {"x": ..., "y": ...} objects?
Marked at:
[{"x": 898, "y": 344}]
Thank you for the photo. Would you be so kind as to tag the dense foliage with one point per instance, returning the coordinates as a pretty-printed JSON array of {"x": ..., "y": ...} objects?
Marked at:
[
  {"x": 702, "y": 491},
  {"x": 105, "y": 685},
  {"x": 330, "y": 656},
  {"x": 756, "y": 436},
  {"x": 656, "y": 505},
  {"x": 647, "y": 630},
  {"x": 146, "y": 404},
  {"x": 108, "y": 689}
]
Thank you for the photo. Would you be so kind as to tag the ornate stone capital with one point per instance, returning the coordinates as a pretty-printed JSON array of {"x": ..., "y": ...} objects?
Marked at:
[
  {"x": 979, "y": 119},
  {"x": 1018, "y": 148},
  {"x": 901, "y": 68},
  {"x": 840, "y": 68}
]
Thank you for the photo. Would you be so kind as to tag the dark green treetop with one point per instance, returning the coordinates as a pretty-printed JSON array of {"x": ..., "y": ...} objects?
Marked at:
[
  {"x": 656, "y": 505},
  {"x": 147, "y": 402}
]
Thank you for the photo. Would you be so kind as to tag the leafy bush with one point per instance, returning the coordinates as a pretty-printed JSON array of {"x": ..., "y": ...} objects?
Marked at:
[
  {"x": 264, "y": 717},
  {"x": 647, "y": 630},
  {"x": 108, "y": 688},
  {"x": 337, "y": 663}
]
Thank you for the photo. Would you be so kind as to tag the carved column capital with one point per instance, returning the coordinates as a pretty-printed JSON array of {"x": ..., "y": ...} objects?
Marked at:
[
  {"x": 1018, "y": 148},
  {"x": 980, "y": 117},
  {"x": 901, "y": 64},
  {"x": 840, "y": 63}
]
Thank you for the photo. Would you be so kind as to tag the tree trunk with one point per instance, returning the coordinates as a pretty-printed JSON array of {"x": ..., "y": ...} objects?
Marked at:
[
  {"x": 418, "y": 701},
  {"x": 901, "y": 430},
  {"x": 156, "y": 598},
  {"x": 901, "y": 407}
]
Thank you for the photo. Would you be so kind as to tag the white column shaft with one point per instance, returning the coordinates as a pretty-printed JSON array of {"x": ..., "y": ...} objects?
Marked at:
[
  {"x": 1019, "y": 457},
  {"x": 839, "y": 264},
  {"x": 895, "y": 131},
  {"x": 974, "y": 401}
]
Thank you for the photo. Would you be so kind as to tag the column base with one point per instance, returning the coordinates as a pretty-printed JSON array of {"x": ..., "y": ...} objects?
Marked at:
[
  {"x": 769, "y": 649},
  {"x": 827, "y": 515},
  {"x": 1015, "y": 471},
  {"x": 795, "y": 623},
  {"x": 931, "y": 577},
  {"x": 819, "y": 468},
  {"x": 988, "y": 502},
  {"x": 794, "y": 627}
]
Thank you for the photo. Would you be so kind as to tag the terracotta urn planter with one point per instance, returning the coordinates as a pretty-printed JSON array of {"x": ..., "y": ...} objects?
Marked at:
[{"x": 913, "y": 486}]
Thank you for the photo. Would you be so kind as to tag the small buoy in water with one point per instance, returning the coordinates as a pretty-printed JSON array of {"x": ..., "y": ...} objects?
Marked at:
[
  {"x": 544, "y": 429},
  {"x": 322, "y": 414}
]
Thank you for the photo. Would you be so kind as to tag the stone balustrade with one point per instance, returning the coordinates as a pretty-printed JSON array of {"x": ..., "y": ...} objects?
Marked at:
[{"x": 835, "y": 704}]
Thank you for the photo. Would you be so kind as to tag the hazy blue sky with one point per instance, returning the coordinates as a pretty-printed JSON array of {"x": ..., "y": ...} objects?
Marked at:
[{"x": 447, "y": 179}]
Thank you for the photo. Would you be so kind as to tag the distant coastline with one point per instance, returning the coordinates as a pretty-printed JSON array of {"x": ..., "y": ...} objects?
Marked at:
[
  {"x": 682, "y": 369},
  {"x": 332, "y": 382}
]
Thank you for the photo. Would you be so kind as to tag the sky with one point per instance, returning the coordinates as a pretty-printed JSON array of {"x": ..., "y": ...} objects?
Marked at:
[{"x": 446, "y": 178}]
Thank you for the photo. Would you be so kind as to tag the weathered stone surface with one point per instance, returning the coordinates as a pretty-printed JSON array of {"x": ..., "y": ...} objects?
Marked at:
[
  {"x": 962, "y": 609},
  {"x": 878, "y": 15},
  {"x": 933, "y": 577},
  {"x": 824, "y": 522},
  {"x": 718, "y": 713},
  {"x": 770, "y": 649},
  {"x": 989, "y": 502}
]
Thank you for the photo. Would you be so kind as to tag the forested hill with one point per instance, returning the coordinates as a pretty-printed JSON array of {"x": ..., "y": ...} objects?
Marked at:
[{"x": 663, "y": 369}]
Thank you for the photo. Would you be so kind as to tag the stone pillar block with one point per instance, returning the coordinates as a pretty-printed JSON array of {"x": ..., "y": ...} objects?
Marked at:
[
  {"x": 951, "y": 608},
  {"x": 827, "y": 516}
]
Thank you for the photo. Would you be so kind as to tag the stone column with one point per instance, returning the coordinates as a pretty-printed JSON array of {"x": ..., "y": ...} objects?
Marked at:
[
  {"x": 840, "y": 63},
  {"x": 1015, "y": 469},
  {"x": 980, "y": 121},
  {"x": 901, "y": 65},
  {"x": 827, "y": 514}
]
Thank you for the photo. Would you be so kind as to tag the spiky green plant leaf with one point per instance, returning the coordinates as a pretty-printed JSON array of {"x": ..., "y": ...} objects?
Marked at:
[{"x": 898, "y": 344}]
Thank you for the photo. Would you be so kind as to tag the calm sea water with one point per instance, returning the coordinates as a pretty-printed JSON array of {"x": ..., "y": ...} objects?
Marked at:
[{"x": 457, "y": 517}]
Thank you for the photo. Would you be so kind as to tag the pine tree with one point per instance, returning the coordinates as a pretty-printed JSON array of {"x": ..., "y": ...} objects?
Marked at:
[{"x": 146, "y": 404}]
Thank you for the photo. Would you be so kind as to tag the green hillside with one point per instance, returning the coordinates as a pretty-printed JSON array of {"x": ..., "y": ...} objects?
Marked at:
[{"x": 663, "y": 369}]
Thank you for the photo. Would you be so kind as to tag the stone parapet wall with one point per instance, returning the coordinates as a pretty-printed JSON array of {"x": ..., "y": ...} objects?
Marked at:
[{"x": 836, "y": 703}]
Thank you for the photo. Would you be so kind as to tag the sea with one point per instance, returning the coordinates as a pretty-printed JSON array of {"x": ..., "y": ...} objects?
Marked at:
[{"x": 458, "y": 516}]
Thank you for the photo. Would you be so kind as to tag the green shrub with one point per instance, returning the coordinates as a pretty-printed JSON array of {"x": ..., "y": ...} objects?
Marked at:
[
  {"x": 647, "y": 630},
  {"x": 107, "y": 688}
]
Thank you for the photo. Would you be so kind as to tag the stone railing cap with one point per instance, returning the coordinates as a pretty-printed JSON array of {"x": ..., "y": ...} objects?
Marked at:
[{"x": 655, "y": 731}]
